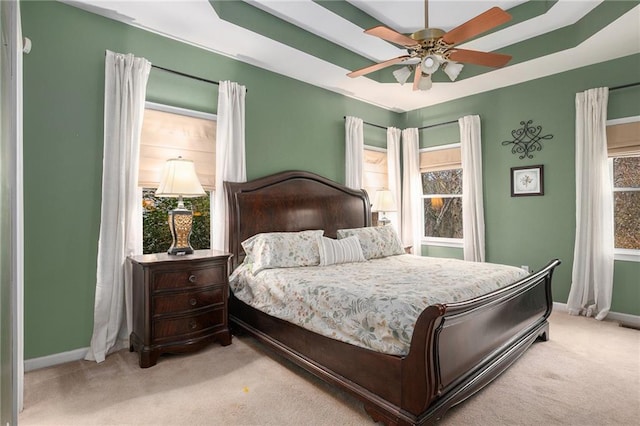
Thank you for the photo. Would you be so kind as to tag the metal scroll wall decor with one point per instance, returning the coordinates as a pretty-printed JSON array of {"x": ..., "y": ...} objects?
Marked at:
[{"x": 526, "y": 139}]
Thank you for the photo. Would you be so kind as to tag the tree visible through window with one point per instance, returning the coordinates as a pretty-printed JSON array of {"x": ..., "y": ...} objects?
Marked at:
[
  {"x": 156, "y": 234},
  {"x": 442, "y": 199},
  {"x": 626, "y": 198}
]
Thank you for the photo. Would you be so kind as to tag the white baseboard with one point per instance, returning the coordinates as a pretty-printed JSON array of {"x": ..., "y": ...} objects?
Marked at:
[
  {"x": 623, "y": 319},
  {"x": 55, "y": 359},
  {"x": 560, "y": 307}
]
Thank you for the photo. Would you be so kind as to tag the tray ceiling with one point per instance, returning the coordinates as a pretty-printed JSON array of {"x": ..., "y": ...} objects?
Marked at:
[{"x": 318, "y": 42}]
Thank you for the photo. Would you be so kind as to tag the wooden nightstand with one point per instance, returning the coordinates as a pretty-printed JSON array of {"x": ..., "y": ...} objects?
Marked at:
[{"x": 179, "y": 303}]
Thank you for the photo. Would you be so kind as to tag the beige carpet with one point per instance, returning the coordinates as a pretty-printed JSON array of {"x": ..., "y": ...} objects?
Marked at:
[{"x": 587, "y": 374}]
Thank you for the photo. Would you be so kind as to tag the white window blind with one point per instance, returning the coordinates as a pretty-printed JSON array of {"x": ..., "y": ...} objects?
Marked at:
[
  {"x": 440, "y": 159},
  {"x": 173, "y": 132},
  {"x": 374, "y": 170},
  {"x": 623, "y": 140}
]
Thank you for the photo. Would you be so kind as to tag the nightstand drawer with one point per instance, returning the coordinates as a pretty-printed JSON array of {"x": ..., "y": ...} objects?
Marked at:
[
  {"x": 173, "y": 327},
  {"x": 173, "y": 303},
  {"x": 188, "y": 278}
]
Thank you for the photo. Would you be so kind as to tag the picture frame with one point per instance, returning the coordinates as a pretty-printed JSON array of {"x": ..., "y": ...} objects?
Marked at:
[{"x": 527, "y": 181}]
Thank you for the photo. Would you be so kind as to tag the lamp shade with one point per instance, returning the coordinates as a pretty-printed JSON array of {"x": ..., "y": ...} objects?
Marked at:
[
  {"x": 425, "y": 82},
  {"x": 452, "y": 69},
  {"x": 179, "y": 179},
  {"x": 430, "y": 64},
  {"x": 402, "y": 74},
  {"x": 384, "y": 201}
]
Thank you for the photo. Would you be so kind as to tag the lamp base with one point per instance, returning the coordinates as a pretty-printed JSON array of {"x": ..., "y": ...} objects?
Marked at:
[
  {"x": 180, "y": 223},
  {"x": 180, "y": 251},
  {"x": 383, "y": 220}
]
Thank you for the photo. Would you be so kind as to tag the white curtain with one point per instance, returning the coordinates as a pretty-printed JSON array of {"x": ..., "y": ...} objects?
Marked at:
[
  {"x": 354, "y": 148},
  {"x": 472, "y": 204},
  {"x": 230, "y": 155},
  {"x": 393, "y": 166},
  {"x": 411, "y": 191},
  {"x": 592, "y": 275},
  {"x": 121, "y": 216}
]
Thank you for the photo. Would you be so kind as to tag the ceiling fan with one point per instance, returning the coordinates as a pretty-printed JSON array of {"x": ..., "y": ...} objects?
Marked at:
[{"x": 434, "y": 48}]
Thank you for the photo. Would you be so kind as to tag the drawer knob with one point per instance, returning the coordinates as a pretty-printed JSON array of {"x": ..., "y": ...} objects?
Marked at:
[
  {"x": 193, "y": 324},
  {"x": 193, "y": 301},
  {"x": 192, "y": 278}
]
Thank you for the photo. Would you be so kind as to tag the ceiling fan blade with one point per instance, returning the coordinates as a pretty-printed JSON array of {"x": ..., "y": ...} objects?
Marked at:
[
  {"x": 376, "y": 67},
  {"x": 416, "y": 77},
  {"x": 393, "y": 36},
  {"x": 481, "y": 23},
  {"x": 488, "y": 59}
]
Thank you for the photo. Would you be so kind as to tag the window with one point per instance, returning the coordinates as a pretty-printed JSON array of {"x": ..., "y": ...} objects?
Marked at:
[
  {"x": 626, "y": 199},
  {"x": 441, "y": 172},
  {"x": 374, "y": 170},
  {"x": 169, "y": 132},
  {"x": 375, "y": 176},
  {"x": 623, "y": 140}
]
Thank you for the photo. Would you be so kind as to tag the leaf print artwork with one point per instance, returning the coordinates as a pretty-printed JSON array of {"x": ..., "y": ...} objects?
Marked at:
[{"x": 525, "y": 181}]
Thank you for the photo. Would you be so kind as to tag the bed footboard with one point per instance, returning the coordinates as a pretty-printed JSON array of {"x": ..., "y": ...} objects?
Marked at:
[{"x": 472, "y": 343}]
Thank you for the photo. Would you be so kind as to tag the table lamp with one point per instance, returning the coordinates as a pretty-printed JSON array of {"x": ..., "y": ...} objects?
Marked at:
[
  {"x": 179, "y": 179},
  {"x": 383, "y": 202}
]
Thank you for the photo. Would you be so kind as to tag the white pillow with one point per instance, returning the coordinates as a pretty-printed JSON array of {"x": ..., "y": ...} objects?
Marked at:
[
  {"x": 282, "y": 249},
  {"x": 376, "y": 241},
  {"x": 339, "y": 251}
]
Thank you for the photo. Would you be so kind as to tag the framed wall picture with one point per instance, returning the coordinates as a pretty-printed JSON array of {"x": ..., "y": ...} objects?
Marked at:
[{"x": 527, "y": 180}]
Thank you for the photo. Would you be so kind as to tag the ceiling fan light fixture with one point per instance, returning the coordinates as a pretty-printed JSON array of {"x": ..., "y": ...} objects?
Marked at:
[
  {"x": 402, "y": 74},
  {"x": 452, "y": 69},
  {"x": 425, "y": 82},
  {"x": 430, "y": 64}
]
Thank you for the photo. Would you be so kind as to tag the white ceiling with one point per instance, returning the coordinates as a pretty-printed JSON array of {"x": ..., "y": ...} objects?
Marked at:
[{"x": 196, "y": 22}]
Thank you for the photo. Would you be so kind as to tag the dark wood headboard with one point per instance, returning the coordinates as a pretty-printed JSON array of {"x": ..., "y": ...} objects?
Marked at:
[{"x": 292, "y": 201}]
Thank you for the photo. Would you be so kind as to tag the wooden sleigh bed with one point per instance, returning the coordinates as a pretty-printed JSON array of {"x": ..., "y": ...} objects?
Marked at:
[{"x": 456, "y": 348}]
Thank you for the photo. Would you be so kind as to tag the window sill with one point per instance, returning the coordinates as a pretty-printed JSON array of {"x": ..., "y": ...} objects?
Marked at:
[
  {"x": 626, "y": 255},
  {"x": 443, "y": 242}
]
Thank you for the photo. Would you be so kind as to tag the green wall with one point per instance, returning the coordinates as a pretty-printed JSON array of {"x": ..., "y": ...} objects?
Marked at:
[
  {"x": 533, "y": 230},
  {"x": 290, "y": 125}
]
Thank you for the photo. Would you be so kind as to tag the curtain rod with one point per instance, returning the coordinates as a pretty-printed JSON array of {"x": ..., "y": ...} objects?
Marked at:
[
  {"x": 624, "y": 86},
  {"x": 419, "y": 128},
  {"x": 370, "y": 124},
  {"x": 436, "y": 125},
  {"x": 185, "y": 75}
]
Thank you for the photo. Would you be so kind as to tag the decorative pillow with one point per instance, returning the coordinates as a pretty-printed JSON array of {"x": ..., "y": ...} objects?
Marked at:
[
  {"x": 376, "y": 241},
  {"x": 339, "y": 251},
  {"x": 282, "y": 249}
]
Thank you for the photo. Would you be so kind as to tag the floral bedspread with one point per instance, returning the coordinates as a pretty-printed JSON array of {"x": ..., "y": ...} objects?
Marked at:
[{"x": 372, "y": 304}]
